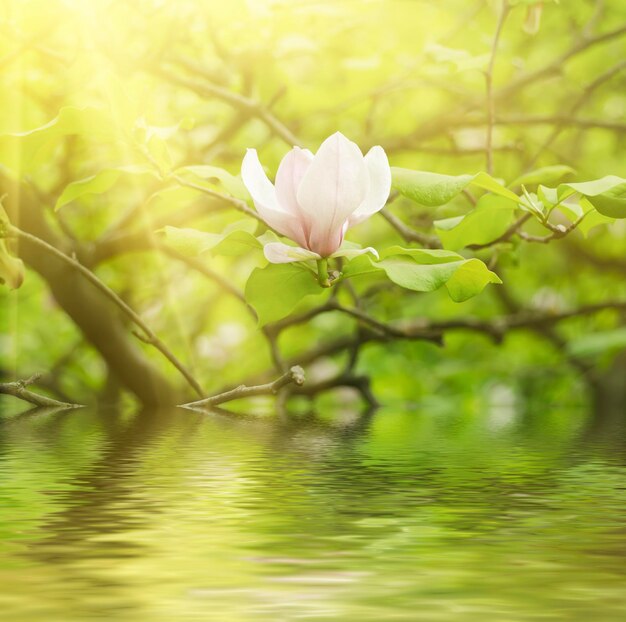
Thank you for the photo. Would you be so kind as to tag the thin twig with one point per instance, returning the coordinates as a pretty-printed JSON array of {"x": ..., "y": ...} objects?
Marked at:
[
  {"x": 557, "y": 231},
  {"x": 238, "y": 204},
  {"x": 345, "y": 379},
  {"x": 491, "y": 104},
  {"x": 584, "y": 43},
  {"x": 507, "y": 235},
  {"x": 256, "y": 109},
  {"x": 496, "y": 329},
  {"x": 148, "y": 336},
  {"x": 575, "y": 107},
  {"x": 18, "y": 389},
  {"x": 441, "y": 123},
  {"x": 409, "y": 234},
  {"x": 295, "y": 375}
]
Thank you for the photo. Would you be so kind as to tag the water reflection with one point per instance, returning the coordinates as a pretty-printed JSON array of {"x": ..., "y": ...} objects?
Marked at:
[{"x": 176, "y": 515}]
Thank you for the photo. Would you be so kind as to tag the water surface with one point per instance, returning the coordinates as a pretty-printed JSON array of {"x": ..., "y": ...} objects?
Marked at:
[{"x": 177, "y": 516}]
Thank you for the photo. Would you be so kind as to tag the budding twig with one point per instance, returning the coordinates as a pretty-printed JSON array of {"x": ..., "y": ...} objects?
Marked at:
[
  {"x": 295, "y": 375},
  {"x": 18, "y": 389}
]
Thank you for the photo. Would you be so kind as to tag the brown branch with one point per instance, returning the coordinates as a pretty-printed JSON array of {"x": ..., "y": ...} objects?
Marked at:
[
  {"x": 584, "y": 43},
  {"x": 384, "y": 330},
  {"x": 614, "y": 126},
  {"x": 202, "y": 268},
  {"x": 507, "y": 235},
  {"x": 229, "y": 288},
  {"x": 575, "y": 107},
  {"x": 295, "y": 375},
  {"x": 238, "y": 204},
  {"x": 18, "y": 389},
  {"x": 409, "y": 234},
  {"x": 496, "y": 329},
  {"x": 148, "y": 336},
  {"x": 254, "y": 108},
  {"x": 557, "y": 232},
  {"x": 582, "y": 254},
  {"x": 360, "y": 383},
  {"x": 441, "y": 123}
]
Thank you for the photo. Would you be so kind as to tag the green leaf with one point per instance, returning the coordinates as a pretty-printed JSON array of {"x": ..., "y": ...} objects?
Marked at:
[
  {"x": 422, "y": 255},
  {"x": 155, "y": 140},
  {"x": 275, "y": 291},
  {"x": 491, "y": 217},
  {"x": 426, "y": 270},
  {"x": 544, "y": 175},
  {"x": 144, "y": 132},
  {"x": 470, "y": 279},
  {"x": 160, "y": 155},
  {"x": 487, "y": 182},
  {"x": 433, "y": 189},
  {"x": 217, "y": 177},
  {"x": 593, "y": 218},
  {"x": 533, "y": 204},
  {"x": 360, "y": 266},
  {"x": 430, "y": 189},
  {"x": 607, "y": 195},
  {"x": 548, "y": 196},
  {"x": 573, "y": 211},
  {"x": 418, "y": 277},
  {"x": 236, "y": 239},
  {"x": 24, "y": 149},
  {"x": 99, "y": 183},
  {"x": 238, "y": 242}
]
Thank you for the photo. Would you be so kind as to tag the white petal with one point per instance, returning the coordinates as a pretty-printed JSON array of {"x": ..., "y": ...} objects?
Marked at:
[
  {"x": 277, "y": 252},
  {"x": 255, "y": 180},
  {"x": 351, "y": 253},
  {"x": 380, "y": 185},
  {"x": 333, "y": 187},
  {"x": 289, "y": 175},
  {"x": 264, "y": 196}
]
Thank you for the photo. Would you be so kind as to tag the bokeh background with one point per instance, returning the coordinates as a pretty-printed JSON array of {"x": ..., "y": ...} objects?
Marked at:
[
  {"x": 488, "y": 486},
  {"x": 196, "y": 83}
]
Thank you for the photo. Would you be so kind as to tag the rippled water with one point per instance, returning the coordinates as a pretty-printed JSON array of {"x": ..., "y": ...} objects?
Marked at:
[{"x": 176, "y": 516}]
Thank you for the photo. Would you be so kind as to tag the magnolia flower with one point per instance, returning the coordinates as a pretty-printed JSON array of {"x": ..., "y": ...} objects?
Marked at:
[{"x": 317, "y": 198}]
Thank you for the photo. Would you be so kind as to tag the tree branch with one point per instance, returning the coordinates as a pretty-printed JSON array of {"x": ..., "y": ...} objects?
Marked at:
[
  {"x": 496, "y": 329},
  {"x": 254, "y": 108},
  {"x": 491, "y": 104},
  {"x": 295, "y": 375},
  {"x": 409, "y": 234},
  {"x": 18, "y": 389},
  {"x": 584, "y": 43},
  {"x": 507, "y": 235},
  {"x": 148, "y": 336}
]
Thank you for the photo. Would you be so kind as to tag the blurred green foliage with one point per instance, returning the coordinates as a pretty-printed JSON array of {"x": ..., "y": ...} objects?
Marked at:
[{"x": 124, "y": 119}]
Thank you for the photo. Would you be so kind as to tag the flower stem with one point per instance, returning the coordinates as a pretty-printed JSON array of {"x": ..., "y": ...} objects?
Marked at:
[{"x": 322, "y": 272}]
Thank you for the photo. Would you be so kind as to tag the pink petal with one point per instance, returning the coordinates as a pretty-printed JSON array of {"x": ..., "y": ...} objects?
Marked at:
[
  {"x": 380, "y": 186},
  {"x": 277, "y": 252},
  {"x": 254, "y": 178},
  {"x": 290, "y": 172},
  {"x": 351, "y": 253},
  {"x": 264, "y": 196},
  {"x": 333, "y": 187}
]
